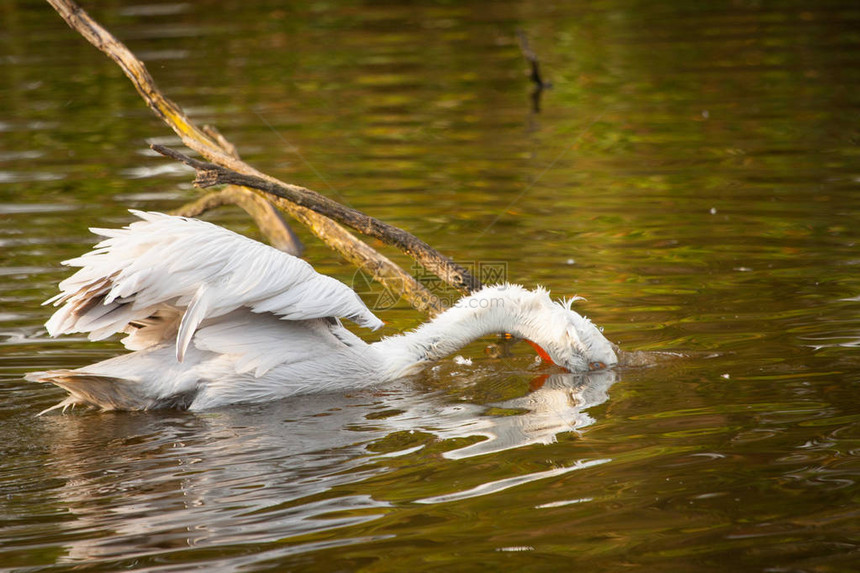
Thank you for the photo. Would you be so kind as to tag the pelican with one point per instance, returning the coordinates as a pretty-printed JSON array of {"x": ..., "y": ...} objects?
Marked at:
[{"x": 214, "y": 318}]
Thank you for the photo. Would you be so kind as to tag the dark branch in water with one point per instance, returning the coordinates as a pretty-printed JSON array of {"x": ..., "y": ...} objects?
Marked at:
[
  {"x": 535, "y": 75},
  {"x": 209, "y": 174}
]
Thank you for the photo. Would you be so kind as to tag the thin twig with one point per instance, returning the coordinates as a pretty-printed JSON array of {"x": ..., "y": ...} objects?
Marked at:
[
  {"x": 532, "y": 59},
  {"x": 535, "y": 75}
]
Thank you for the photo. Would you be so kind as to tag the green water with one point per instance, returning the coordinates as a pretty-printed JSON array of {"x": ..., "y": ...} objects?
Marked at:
[{"x": 693, "y": 172}]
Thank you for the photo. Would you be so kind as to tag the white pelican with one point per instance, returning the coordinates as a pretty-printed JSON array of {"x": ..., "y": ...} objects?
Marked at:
[{"x": 215, "y": 318}]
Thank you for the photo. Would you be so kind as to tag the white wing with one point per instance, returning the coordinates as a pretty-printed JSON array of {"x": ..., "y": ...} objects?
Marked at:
[{"x": 162, "y": 276}]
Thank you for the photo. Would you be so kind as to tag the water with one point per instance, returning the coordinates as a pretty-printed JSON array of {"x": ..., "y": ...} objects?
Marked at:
[{"x": 693, "y": 173}]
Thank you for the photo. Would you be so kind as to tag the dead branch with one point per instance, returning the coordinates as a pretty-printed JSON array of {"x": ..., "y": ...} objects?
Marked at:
[
  {"x": 268, "y": 218},
  {"x": 209, "y": 174},
  {"x": 220, "y": 152}
]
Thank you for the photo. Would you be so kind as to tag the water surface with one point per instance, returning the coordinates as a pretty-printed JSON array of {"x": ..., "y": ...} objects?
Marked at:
[{"x": 693, "y": 172}]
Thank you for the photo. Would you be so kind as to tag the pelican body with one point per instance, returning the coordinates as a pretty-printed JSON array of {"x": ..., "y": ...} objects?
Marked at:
[{"x": 214, "y": 318}]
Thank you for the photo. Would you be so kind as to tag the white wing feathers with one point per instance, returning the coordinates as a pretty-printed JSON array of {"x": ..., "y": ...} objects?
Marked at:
[{"x": 144, "y": 278}]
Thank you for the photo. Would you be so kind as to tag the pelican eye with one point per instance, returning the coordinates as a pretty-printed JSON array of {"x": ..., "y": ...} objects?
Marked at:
[{"x": 596, "y": 366}]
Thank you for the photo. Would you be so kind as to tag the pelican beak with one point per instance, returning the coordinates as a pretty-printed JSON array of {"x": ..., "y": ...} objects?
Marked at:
[{"x": 541, "y": 352}]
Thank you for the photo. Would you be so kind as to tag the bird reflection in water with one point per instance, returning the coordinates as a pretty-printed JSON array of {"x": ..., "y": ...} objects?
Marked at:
[
  {"x": 557, "y": 403},
  {"x": 141, "y": 484}
]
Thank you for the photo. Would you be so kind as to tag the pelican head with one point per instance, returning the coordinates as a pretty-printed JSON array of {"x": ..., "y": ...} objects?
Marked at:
[{"x": 571, "y": 340}]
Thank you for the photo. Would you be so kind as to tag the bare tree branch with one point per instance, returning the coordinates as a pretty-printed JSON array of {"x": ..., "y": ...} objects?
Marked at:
[
  {"x": 216, "y": 149},
  {"x": 209, "y": 174}
]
